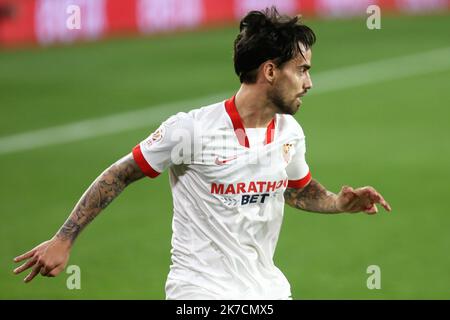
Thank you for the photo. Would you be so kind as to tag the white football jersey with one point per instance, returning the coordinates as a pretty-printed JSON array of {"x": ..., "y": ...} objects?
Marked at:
[{"x": 228, "y": 203}]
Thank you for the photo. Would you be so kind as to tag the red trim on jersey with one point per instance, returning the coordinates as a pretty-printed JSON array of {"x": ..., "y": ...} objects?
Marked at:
[
  {"x": 298, "y": 184},
  {"x": 230, "y": 107},
  {"x": 239, "y": 129},
  {"x": 270, "y": 131},
  {"x": 143, "y": 164}
]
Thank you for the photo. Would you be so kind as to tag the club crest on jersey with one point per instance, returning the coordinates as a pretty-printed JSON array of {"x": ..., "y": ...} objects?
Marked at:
[
  {"x": 286, "y": 152},
  {"x": 155, "y": 136}
]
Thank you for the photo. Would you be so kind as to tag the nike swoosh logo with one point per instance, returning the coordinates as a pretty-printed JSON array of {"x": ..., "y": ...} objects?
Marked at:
[{"x": 224, "y": 161}]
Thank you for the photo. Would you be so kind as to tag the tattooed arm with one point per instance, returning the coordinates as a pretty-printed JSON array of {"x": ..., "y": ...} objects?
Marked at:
[
  {"x": 314, "y": 197},
  {"x": 50, "y": 257},
  {"x": 99, "y": 195}
]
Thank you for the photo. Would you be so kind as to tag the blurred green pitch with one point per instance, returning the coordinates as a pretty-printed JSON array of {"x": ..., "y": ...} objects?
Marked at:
[{"x": 391, "y": 134}]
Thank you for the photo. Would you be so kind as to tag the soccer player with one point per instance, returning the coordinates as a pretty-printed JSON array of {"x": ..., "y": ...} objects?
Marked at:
[{"x": 232, "y": 166}]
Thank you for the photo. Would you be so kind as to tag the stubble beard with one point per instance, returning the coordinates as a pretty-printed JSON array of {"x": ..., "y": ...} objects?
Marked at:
[{"x": 283, "y": 107}]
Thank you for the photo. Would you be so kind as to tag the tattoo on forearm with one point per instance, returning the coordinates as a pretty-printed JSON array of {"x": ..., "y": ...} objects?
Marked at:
[
  {"x": 314, "y": 197},
  {"x": 70, "y": 228},
  {"x": 99, "y": 195}
]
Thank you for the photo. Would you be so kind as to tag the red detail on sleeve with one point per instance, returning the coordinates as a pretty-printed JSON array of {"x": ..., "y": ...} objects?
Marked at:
[
  {"x": 298, "y": 184},
  {"x": 143, "y": 164}
]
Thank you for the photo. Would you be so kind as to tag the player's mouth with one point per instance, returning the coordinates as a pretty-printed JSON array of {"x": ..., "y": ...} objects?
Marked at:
[{"x": 299, "y": 100}]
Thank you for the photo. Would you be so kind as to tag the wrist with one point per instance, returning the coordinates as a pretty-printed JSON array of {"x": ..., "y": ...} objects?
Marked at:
[
  {"x": 336, "y": 204},
  {"x": 63, "y": 241}
]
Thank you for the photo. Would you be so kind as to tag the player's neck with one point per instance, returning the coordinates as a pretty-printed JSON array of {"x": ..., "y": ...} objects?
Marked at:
[{"x": 254, "y": 108}]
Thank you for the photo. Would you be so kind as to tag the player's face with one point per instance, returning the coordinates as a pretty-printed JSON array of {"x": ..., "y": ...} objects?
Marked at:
[{"x": 292, "y": 82}]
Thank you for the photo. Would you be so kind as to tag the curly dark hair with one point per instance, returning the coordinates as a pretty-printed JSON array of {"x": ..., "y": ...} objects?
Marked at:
[{"x": 266, "y": 35}]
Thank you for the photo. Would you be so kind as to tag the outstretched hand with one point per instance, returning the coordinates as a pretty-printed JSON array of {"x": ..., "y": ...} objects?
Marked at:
[
  {"x": 49, "y": 259},
  {"x": 361, "y": 199}
]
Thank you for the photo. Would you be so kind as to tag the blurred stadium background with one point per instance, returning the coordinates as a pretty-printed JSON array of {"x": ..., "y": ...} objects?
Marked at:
[{"x": 74, "y": 101}]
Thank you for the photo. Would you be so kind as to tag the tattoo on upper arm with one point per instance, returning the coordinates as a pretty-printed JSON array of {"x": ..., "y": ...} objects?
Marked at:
[
  {"x": 99, "y": 195},
  {"x": 314, "y": 197}
]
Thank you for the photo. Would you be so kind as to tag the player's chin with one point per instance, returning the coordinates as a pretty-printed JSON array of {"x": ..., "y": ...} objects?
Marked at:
[
  {"x": 290, "y": 108},
  {"x": 295, "y": 106}
]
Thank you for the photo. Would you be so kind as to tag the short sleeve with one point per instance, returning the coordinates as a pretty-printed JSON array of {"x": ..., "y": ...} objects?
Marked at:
[
  {"x": 166, "y": 146},
  {"x": 297, "y": 169}
]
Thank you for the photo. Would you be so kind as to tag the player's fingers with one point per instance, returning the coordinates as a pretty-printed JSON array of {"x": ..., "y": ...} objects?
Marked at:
[
  {"x": 25, "y": 266},
  {"x": 366, "y": 192},
  {"x": 362, "y": 197},
  {"x": 376, "y": 197},
  {"x": 367, "y": 196},
  {"x": 33, "y": 273},
  {"x": 385, "y": 204},
  {"x": 348, "y": 194},
  {"x": 24, "y": 256},
  {"x": 45, "y": 270},
  {"x": 347, "y": 190},
  {"x": 371, "y": 209},
  {"x": 55, "y": 271}
]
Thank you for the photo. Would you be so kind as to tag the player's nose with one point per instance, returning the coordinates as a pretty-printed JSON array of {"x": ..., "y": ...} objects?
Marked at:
[{"x": 308, "y": 83}]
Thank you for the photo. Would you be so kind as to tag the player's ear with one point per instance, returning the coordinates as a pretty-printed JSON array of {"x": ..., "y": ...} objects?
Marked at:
[{"x": 269, "y": 71}]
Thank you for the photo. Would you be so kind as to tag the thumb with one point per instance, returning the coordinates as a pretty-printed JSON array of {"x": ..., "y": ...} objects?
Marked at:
[{"x": 372, "y": 209}]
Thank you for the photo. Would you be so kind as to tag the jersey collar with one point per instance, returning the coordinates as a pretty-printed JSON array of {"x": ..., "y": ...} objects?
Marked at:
[{"x": 239, "y": 130}]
